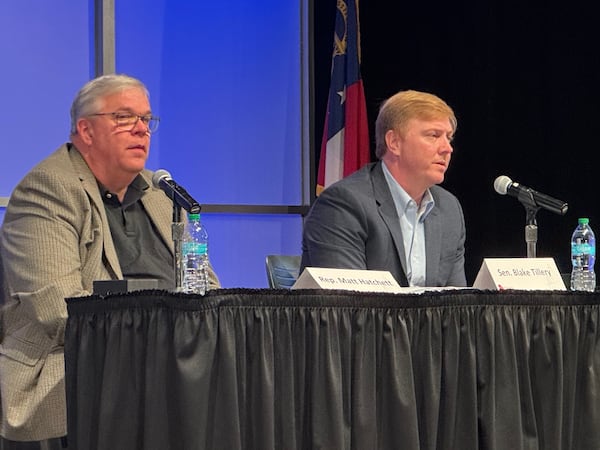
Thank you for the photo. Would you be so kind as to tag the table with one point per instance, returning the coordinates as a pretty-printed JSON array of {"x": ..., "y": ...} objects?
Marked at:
[{"x": 274, "y": 369}]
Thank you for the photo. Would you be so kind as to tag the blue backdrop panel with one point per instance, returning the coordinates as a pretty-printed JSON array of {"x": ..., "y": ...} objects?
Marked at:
[
  {"x": 239, "y": 243},
  {"x": 139, "y": 29},
  {"x": 225, "y": 80},
  {"x": 45, "y": 54}
]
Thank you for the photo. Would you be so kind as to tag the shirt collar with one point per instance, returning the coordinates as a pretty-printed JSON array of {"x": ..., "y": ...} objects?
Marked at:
[
  {"x": 401, "y": 198},
  {"x": 135, "y": 190}
]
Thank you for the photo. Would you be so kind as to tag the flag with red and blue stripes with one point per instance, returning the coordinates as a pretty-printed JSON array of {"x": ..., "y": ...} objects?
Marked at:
[{"x": 345, "y": 145}]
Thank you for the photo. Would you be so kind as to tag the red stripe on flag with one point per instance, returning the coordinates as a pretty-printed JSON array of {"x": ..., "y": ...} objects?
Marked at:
[
  {"x": 356, "y": 141},
  {"x": 322, "y": 159},
  {"x": 345, "y": 144}
]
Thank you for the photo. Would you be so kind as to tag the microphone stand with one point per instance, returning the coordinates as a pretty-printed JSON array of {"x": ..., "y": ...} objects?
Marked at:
[
  {"x": 531, "y": 231},
  {"x": 527, "y": 199},
  {"x": 177, "y": 228}
]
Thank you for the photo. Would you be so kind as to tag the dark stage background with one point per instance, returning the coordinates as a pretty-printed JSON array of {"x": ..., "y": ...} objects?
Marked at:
[{"x": 522, "y": 79}]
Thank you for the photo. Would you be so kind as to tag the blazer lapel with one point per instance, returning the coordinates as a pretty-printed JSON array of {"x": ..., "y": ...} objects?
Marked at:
[
  {"x": 433, "y": 238},
  {"x": 90, "y": 185},
  {"x": 388, "y": 213},
  {"x": 154, "y": 202}
]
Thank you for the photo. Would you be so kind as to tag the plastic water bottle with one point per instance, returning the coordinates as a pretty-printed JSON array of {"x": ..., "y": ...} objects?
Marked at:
[
  {"x": 583, "y": 255},
  {"x": 194, "y": 255}
]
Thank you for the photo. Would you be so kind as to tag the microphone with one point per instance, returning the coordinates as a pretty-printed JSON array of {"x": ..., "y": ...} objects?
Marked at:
[
  {"x": 504, "y": 185},
  {"x": 162, "y": 180}
]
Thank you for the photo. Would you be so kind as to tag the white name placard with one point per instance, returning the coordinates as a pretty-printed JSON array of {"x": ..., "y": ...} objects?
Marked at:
[
  {"x": 348, "y": 279},
  {"x": 519, "y": 273}
]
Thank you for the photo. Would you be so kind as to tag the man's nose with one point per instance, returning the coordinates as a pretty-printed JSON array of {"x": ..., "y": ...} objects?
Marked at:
[
  {"x": 447, "y": 145},
  {"x": 140, "y": 127}
]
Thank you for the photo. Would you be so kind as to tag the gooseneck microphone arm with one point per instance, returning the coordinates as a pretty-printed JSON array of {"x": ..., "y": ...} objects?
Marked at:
[
  {"x": 532, "y": 201},
  {"x": 162, "y": 180},
  {"x": 529, "y": 197}
]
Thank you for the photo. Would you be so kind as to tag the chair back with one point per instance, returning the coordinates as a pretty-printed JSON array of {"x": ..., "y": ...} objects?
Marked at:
[{"x": 282, "y": 270}]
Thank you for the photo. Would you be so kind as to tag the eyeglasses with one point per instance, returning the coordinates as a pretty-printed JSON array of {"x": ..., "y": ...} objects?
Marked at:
[{"x": 128, "y": 120}]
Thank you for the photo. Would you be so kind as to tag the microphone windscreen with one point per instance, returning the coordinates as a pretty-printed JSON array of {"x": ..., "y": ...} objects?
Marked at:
[
  {"x": 501, "y": 184},
  {"x": 160, "y": 174}
]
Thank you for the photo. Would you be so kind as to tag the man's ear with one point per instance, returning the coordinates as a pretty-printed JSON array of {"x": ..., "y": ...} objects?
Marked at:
[
  {"x": 393, "y": 141},
  {"x": 85, "y": 131}
]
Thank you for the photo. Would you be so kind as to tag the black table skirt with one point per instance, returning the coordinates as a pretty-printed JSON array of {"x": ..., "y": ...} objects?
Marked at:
[{"x": 270, "y": 369}]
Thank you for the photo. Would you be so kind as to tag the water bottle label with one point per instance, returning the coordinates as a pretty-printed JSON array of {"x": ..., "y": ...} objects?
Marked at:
[
  {"x": 583, "y": 248},
  {"x": 194, "y": 247}
]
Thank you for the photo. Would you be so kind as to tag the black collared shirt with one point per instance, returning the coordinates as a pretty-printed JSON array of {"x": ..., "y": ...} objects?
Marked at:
[{"x": 141, "y": 250}]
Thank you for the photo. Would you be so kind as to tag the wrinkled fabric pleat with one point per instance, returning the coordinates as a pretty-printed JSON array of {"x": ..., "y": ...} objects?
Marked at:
[{"x": 270, "y": 369}]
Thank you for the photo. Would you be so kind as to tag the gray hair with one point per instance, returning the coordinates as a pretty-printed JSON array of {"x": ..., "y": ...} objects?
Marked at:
[{"x": 87, "y": 99}]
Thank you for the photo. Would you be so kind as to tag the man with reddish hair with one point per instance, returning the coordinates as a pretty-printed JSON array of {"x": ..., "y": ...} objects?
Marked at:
[{"x": 392, "y": 215}]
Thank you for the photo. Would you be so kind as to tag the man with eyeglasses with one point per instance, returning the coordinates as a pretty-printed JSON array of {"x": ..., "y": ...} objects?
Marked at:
[{"x": 87, "y": 212}]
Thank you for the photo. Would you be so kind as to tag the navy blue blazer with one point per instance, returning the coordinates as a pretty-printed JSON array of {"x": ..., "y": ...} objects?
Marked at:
[{"x": 353, "y": 224}]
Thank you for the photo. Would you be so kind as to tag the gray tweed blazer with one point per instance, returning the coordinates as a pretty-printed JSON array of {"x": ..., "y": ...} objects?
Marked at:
[{"x": 55, "y": 241}]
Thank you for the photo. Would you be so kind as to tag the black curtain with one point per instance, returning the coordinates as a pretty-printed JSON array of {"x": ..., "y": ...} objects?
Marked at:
[
  {"x": 523, "y": 80},
  {"x": 269, "y": 369}
]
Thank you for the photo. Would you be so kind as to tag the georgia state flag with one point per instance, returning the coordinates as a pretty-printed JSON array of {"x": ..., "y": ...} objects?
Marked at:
[{"x": 345, "y": 146}]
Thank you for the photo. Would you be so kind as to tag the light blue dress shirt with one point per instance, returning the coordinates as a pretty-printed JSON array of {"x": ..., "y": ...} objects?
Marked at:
[{"x": 412, "y": 224}]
